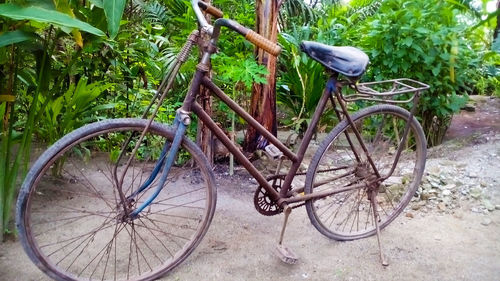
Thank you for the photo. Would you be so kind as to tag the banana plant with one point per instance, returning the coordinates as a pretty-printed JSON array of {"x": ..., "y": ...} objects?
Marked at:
[{"x": 38, "y": 27}]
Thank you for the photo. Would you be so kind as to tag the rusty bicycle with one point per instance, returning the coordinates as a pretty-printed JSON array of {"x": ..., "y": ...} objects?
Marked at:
[{"x": 130, "y": 199}]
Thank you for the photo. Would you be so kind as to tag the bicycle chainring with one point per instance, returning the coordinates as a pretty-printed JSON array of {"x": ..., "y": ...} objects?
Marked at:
[{"x": 263, "y": 202}]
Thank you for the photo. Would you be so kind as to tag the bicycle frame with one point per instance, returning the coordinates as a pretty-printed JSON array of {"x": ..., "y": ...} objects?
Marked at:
[
  {"x": 284, "y": 196},
  {"x": 190, "y": 105}
]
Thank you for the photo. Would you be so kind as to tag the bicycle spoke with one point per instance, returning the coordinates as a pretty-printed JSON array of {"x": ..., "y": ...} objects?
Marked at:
[
  {"x": 167, "y": 235},
  {"x": 147, "y": 246},
  {"x": 116, "y": 232},
  {"x": 94, "y": 188},
  {"x": 348, "y": 217},
  {"x": 81, "y": 228},
  {"x": 157, "y": 239},
  {"x": 90, "y": 234}
]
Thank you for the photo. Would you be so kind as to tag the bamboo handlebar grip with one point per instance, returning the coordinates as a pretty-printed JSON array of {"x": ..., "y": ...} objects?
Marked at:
[
  {"x": 263, "y": 43},
  {"x": 211, "y": 9},
  {"x": 214, "y": 11}
]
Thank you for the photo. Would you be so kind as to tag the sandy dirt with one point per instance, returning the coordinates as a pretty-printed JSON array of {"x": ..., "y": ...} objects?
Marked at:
[{"x": 462, "y": 243}]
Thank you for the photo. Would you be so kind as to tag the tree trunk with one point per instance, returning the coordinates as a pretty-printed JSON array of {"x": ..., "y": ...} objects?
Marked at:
[
  {"x": 497, "y": 28},
  {"x": 263, "y": 102},
  {"x": 204, "y": 135}
]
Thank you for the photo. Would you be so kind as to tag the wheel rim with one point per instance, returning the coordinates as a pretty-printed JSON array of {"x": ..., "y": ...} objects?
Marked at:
[
  {"x": 73, "y": 221},
  {"x": 349, "y": 215}
]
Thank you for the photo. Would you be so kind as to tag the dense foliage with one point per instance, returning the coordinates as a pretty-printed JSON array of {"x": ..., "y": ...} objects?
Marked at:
[
  {"x": 441, "y": 43},
  {"x": 64, "y": 63}
]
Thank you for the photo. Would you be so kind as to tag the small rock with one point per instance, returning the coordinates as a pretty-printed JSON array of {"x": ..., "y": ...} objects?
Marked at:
[
  {"x": 458, "y": 215},
  {"x": 449, "y": 186},
  {"x": 435, "y": 184},
  {"x": 218, "y": 245},
  {"x": 486, "y": 221},
  {"x": 475, "y": 192},
  {"x": 409, "y": 215},
  {"x": 446, "y": 200},
  {"x": 426, "y": 186},
  {"x": 415, "y": 207},
  {"x": 434, "y": 170},
  {"x": 472, "y": 175},
  {"x": 469, "y": 107},
  {"x": 483, "y": 184},
  {"x": 442, "y": 206},
  {"x": 425, "y": 195},
  {"x": 497, "y": 207},
  {"x": 446, "y": 192},
  {"x": 488, "y": 205}
]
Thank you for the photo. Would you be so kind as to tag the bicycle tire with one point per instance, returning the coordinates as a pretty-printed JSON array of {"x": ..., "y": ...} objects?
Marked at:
[
  {"x": 348, "y": 215},
  {"x": 70, "y": 226}
]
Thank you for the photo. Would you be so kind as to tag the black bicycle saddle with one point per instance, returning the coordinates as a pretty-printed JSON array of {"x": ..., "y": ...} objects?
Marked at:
[{"x": 348, "y": 61}]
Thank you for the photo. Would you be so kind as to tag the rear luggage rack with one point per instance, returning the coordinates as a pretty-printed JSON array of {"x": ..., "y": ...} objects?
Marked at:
[{"x": 386, "y": 91}]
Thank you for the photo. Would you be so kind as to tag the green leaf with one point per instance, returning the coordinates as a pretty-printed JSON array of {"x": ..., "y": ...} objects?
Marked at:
[
  {"x": 114, "y": 11},
  {"x": 436, "y": 70},
  {"x": 13, "y": 37},
  {"x": 46, "y": 4},
  {"x": 408, "y": 41},
  {"x": 422, "y": 30},
  {"x": 97, "y": 3},
  {"x": 457, "y": 102},
  {"x": 496, "y": 45},
  {"x": 46, "y": 16},
  {"x": 104, "y": 106}
]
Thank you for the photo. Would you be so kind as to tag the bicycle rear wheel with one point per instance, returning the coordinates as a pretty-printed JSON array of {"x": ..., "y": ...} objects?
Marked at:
[
  {"x": 348, "y": 215},
  {"x": 69, "y": 215}
]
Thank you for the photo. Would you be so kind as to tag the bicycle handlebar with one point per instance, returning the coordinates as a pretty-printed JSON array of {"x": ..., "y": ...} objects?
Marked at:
[
  {"x": 211, "y": 9},
  {"x": 199, "y": 15},
  {"x": 252, "y": 36}
]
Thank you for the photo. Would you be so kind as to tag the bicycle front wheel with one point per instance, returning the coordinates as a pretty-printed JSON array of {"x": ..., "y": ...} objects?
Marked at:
[
  {"x": 70, "y": 217},
  {"x": 340, "y": 162}
]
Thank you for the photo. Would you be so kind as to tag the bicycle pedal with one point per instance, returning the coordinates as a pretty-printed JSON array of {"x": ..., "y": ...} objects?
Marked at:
[
  {"x": 273, "y": 152},
  {"x": 286, "y": 255}
]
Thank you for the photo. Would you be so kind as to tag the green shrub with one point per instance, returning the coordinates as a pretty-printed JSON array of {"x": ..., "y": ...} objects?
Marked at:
[{"x": 423, "y": 40}]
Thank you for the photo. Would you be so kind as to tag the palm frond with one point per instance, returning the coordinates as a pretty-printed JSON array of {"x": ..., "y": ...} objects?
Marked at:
[
  {"x": 362, "y": 9},
  {"x": 297, "y": 10},
  {"x": 155, "y": 12}
]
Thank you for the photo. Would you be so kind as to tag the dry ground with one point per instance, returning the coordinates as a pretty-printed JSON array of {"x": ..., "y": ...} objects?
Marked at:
[{"x": 430, "y": 244}]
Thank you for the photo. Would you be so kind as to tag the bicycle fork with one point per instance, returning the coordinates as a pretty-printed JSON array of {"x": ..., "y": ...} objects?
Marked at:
[
  {"x": 167, "y": 159},
  {"x": 181, "y": 121}
]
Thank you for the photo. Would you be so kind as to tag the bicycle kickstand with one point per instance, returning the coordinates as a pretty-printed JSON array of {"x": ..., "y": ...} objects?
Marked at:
[
  {"x": 283, "y": 252},
  {"x": 373, "y": 200}
]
